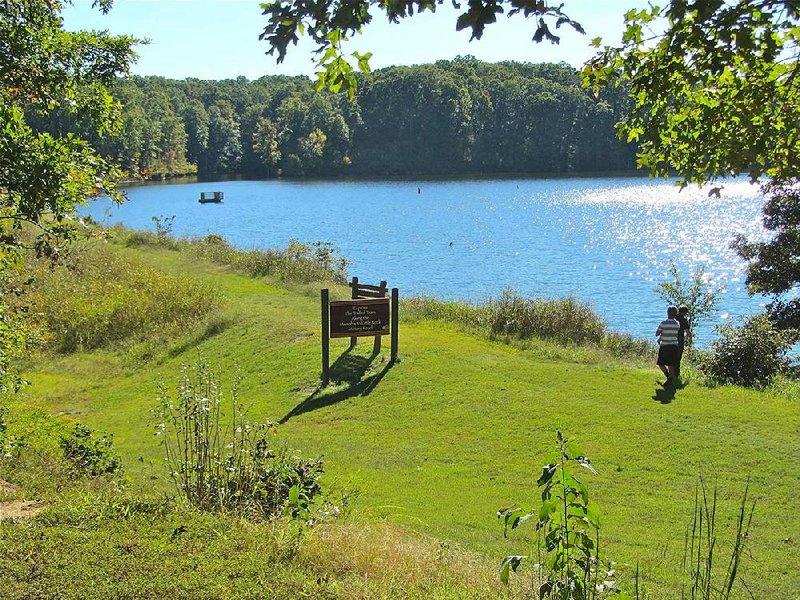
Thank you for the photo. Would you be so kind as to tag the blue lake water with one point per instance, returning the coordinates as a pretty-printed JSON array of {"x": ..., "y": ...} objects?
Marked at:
[{"x": 608, "y": 241}]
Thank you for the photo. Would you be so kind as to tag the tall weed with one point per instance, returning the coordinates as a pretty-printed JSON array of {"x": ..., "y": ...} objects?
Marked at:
[
  {"x": 512, "y": 316},
  {"x": 700, "y": 556},
  {"x": 98, "y": 296},
  {"x": 572, "y": 567},
  {"x": 218, "y": 460},
  {"x": 298, "y": 262}
]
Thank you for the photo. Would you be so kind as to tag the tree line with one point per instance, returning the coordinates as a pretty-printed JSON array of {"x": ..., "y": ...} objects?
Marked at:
[{"x": 451, "y": 117}]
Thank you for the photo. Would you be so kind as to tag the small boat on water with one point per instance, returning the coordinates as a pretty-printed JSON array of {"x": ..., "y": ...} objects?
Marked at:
[{"x": 206, "y": 197}]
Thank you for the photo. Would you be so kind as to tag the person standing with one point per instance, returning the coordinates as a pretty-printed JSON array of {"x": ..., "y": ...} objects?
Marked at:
[
  {"x": 684, "y": 335},
  {"x": 668, "y": 349}
]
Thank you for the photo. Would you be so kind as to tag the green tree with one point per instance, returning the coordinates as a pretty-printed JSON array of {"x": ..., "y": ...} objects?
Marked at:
[
  {"x": 265, "y": 143},
  {"x": 195, "y": 118},
  {"x": 44, "y": 69},
  {"x": 696, "y": 293},
  {"x": 775, "y": 264},
  {"x": 224, "y": 149},
  {"x": 312, "y": 147},
  {"x": 716, "y": 93}
]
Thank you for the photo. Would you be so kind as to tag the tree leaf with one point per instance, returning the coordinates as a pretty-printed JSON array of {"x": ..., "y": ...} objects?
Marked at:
[{"x": 509, "y": 563}]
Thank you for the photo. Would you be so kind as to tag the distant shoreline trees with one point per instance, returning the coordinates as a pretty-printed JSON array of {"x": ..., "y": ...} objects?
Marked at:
[{"x": 453, "y": 117}]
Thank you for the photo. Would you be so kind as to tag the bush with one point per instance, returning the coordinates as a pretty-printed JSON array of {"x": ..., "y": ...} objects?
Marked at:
[
  {"x": 88, "y": 456},
  {"x": 750, "y": 355},
  {"x": 235, "y": 466}
]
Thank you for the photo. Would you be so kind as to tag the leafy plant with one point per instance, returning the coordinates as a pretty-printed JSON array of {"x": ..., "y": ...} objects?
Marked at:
[
  {"x": 750, "y": 355},
  {"x": 88, "y": 455},
  {"x": 235, "y": 466},
  {"x": 163, "y": 226},
  {"x": 568, "y": 524},
  {"x": 696, "y": 292}
]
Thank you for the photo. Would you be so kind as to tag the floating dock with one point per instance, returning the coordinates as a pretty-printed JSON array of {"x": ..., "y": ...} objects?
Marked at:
[{"x": 206, "y": 197}]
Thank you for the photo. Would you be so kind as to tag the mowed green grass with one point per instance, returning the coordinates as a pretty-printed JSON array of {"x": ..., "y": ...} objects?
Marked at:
[{"x": 462, "y": 425}]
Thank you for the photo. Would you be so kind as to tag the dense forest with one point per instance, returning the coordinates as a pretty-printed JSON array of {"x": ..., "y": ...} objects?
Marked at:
[{"x": 451, "y": 117}]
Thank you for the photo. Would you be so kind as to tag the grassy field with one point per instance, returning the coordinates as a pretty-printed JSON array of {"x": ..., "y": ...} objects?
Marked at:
[{"x": 439, "y": 441}]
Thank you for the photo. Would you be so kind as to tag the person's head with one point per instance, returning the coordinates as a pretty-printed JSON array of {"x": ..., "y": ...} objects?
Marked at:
[
  {"x": 672, "y": 312},
  {"x": 683, "y": 310}
]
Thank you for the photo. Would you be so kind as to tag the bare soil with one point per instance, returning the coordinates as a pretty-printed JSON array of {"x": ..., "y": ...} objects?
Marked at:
[{"x": 17, "y": 509}]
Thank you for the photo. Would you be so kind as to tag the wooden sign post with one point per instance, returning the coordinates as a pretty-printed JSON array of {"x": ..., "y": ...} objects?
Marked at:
[{"x": 359, "y": 317}]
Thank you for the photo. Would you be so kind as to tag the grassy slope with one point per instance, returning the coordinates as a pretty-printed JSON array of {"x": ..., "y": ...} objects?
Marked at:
[{"x": 462, "y": 425}]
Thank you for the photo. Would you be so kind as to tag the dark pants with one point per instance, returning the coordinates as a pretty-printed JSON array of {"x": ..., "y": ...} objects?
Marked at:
[{"x": 681, "y": 346}]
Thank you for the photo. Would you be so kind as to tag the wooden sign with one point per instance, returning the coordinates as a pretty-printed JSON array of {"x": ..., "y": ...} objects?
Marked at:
[
  {"x": 371, "y": 316},
  {"x": 359, "y": 318}
]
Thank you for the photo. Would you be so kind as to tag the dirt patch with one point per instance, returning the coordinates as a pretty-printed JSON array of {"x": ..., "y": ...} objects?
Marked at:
[
  {"x": 17, "y": 509},
  {"x": 300, "y": 337},
  {"x": 7, "y": 488},
  {"x": 20, "y": 509}
]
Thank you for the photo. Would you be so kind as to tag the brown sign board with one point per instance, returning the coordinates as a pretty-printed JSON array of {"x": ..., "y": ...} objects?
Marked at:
[{"x": 357, "y": 318}]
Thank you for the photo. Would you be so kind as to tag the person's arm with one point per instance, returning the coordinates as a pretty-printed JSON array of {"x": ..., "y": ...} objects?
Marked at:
[{"x": 658, "y": 331}]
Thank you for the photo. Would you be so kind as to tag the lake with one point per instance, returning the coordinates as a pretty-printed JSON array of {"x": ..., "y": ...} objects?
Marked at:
[{"x": 608, "y": 241}]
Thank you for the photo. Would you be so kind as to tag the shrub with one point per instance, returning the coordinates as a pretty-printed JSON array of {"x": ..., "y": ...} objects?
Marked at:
[
  {"x": 750, "y": 355},
  {"x": 235, "y": 466},
  {"x": 301, "y": 263},
  {"x": 89, "y": 456}
]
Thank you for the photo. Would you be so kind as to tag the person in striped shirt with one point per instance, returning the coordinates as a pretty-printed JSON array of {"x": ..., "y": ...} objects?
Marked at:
[{"x": 668, "y": 348}]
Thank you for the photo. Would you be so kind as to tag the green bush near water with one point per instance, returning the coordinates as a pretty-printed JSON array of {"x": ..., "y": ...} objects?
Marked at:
[
  {"x": 750, "y": 355},
  {"x": 511, "y": 315}
]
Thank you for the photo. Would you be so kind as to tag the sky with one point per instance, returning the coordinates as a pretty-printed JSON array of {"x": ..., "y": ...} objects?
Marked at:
[{"x": 218, "y": 39}]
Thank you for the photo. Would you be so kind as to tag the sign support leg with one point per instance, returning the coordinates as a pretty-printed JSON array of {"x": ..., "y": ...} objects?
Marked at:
[
  {"x": 326, "y": 338},
  {"x": 394, "y": 322},
  {"x": 376, "y": 346}
]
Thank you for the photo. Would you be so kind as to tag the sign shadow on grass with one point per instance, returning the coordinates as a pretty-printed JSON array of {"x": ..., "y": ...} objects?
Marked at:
[{"x": 349, "y": 368}]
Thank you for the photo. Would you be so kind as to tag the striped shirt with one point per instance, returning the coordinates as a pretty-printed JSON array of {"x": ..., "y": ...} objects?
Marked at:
[{"x": 667, "y": 332}]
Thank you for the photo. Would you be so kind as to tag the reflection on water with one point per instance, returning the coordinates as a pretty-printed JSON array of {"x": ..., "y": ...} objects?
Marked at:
[{"x": 606, "y": 240}]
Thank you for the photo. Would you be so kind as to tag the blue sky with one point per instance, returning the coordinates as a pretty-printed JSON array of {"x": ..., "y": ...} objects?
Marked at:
[{"x": 218, "y": 39}]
